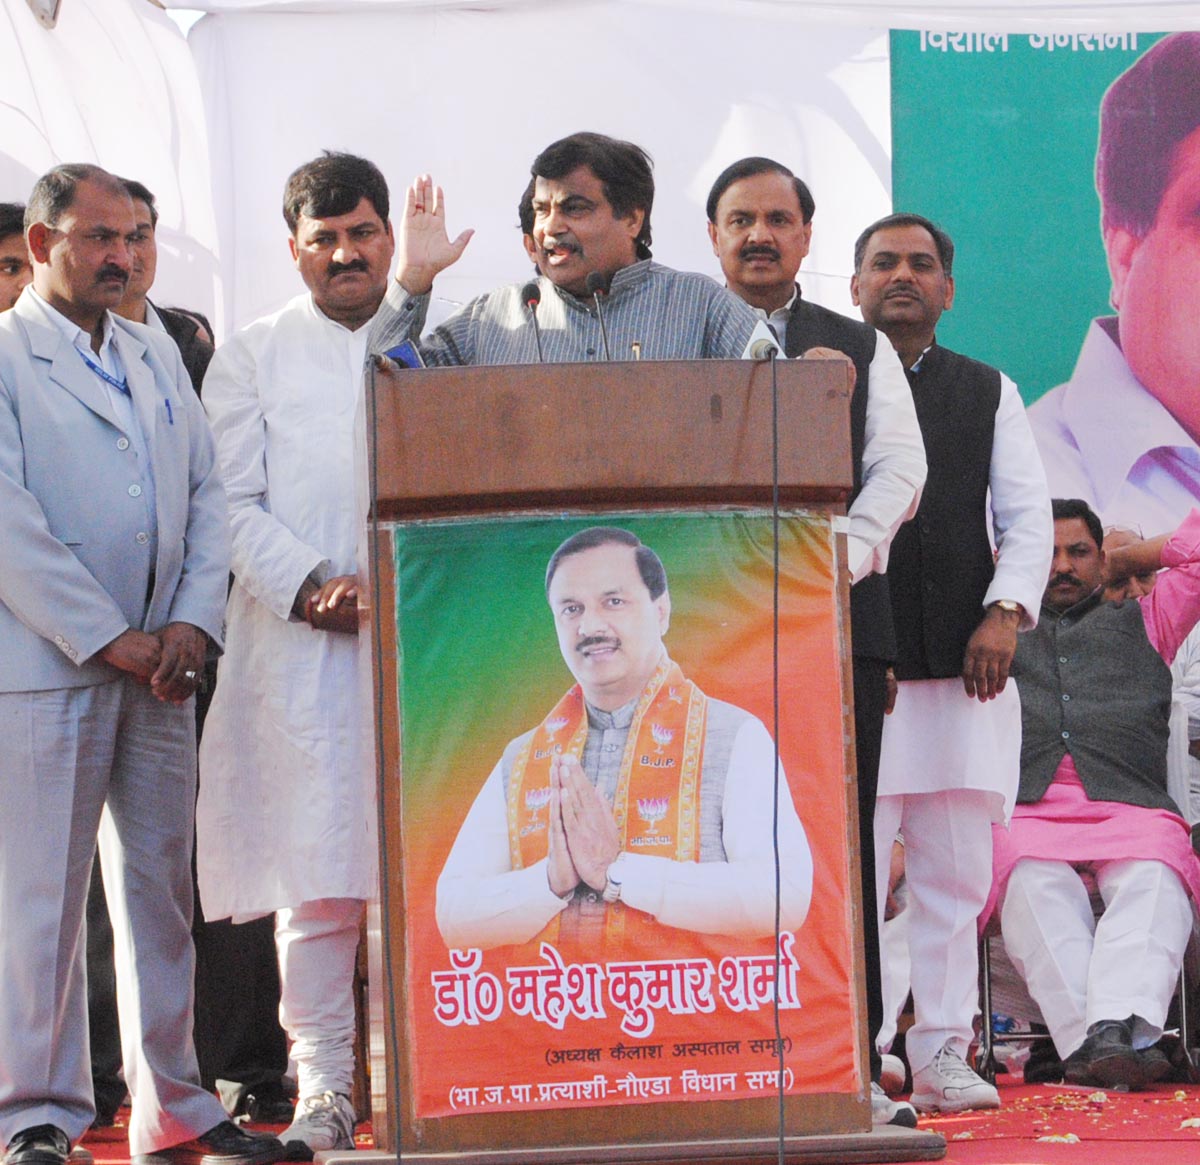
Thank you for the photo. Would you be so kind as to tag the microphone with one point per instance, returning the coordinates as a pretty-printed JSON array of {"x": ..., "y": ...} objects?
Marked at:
[
  {"x": 598, "y": 285},
  {"x": 763, "y": 343},
  {"x": 531, "y": 296}
]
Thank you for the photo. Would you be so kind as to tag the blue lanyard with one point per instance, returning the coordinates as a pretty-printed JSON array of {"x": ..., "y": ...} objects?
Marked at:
[{"x": 119, "y": 385}]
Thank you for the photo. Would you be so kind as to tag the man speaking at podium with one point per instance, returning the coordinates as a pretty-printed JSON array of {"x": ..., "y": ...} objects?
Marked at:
[
  {"x": 599, "y": 294},
  {"x": 638, "y": 803}
]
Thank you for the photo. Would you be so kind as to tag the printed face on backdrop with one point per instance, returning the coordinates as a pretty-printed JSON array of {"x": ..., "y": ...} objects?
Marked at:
[
  {"x": 344, "y": 261},
  {"x": 1156, "y": 291},
  {"x": 576, "y": 232},
  {"x": 15, "y": 270},
  {"x": 760, "y": 237},
  {"x": 902, "y": 285},
  {"x": 609, "y": 628}
]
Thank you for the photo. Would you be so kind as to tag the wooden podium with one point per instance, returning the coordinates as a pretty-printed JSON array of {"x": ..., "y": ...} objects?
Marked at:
[{"x": 475, "y": 472}]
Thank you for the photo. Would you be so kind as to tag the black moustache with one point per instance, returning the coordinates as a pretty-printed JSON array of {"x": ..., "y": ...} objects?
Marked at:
[
  {"x": 756, "y": 252},
  {"x": 109, "y": 271},
  {"x": 336, "y": 269},
  {"x": 1063, "y": 578},
  {"x": 597, "y": 641}
]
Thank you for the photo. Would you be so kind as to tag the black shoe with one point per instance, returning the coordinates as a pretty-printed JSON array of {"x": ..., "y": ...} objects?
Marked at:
[
  {"x": 39, "y": 1145},
  {"x": 267, "y": 1104},
  {"x": 1044, "y": 1065},
  {"x": 223, "y": 1144},
  {"x": 1108, "y": 1050},
  {"x": 1154, "y": 1063},
  {"x": 1075, "y": 1069}
]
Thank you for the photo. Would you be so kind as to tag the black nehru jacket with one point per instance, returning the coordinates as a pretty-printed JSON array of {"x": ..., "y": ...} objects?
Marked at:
[
  {"x": 941, "y": 560},
  {"x": 812, "y": 326},
  {"x": 1092, "y": 685}
]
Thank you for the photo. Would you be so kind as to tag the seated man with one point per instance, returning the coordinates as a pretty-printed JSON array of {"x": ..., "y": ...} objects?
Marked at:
[{"x": 1095, "y": 702}]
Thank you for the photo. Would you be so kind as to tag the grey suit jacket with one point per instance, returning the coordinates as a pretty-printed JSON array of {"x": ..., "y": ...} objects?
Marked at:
[{"x": 74, "y": 553}]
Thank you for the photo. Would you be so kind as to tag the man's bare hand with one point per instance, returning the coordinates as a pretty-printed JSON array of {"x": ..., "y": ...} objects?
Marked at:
[
  {"x": 990, "y": 652},
  {"x": 182, "y": 664},
  {"x": 891, "y": 691},
  {"x": 820, "y": 353},
  {"x": 424, "y": 248},
  {"x": 135, "y": 652},
  {"x": 560, "y": 871},
  {"x": 591, "y": 829},
  {"x": 334, "y": 606}
]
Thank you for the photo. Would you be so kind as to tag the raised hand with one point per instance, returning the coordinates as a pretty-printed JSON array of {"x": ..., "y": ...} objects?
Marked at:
[{"x": 424, "y": 248}]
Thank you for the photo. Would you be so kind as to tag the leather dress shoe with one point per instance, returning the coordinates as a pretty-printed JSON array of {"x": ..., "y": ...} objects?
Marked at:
[
  {"x": 223, "y": 1144},
  {"x": 1109, "y": 1054},
  {"x": 38, "y": 1145}
]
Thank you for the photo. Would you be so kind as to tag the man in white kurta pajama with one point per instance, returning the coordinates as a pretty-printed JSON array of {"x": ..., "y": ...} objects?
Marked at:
[
  {"x": 951, "y": 749},
  {"x": 284, "y": 821}
]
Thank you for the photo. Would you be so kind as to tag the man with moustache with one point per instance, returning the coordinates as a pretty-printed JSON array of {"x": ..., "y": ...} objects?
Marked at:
[
  {"x": 112, "y": 587},
  {"x": 1095, "y": 700},
  {"x": 567, "y": 859},
  {"x": 1123, "y": 432},
  {"x": 15, "y": 270},
  {"x": 760, "y": 224},
  {"x": 285, "y": 818},
  {"x": 591, "y": 205},
  {"x": 949, "y": 763}
]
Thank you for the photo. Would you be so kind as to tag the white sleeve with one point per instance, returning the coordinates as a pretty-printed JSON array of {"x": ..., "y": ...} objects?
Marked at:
[
  {"x": 893, "y": 464},
  {"x": 269, "y": 561},
  {"x": 1021, "y": 521},
  {"x": 736, "y": 896},
  {"x": 481, "y": 900}
]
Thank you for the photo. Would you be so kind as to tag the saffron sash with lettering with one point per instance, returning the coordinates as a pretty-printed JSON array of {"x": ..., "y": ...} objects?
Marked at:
[{"x": 656, "y": 805}]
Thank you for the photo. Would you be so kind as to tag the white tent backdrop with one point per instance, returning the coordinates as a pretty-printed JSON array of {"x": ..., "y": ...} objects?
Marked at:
[
  {"x": 473, "y": 96},
  {"x": 114, "y": 84},
  {"x": 470, "y": 92}
]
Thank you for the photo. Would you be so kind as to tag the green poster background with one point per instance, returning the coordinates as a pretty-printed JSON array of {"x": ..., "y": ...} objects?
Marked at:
[
  {"x": 479, "y": 663},
  {"x": 999, "y": 148}
]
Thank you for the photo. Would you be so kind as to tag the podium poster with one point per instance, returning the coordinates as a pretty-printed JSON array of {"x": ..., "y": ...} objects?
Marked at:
[{"x": 602, "y": 1004}]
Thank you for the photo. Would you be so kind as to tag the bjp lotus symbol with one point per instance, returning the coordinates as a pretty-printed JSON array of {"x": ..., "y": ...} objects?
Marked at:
[
  {"x": 536, "y": 800},
  {"x": 554, "y": 726},
  {"x": 652, "y": 810},
  {"x": 662, "y": 736}
]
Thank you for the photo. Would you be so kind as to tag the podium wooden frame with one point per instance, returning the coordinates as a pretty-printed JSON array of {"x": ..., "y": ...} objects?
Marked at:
[{"x": 520, "y": 439}]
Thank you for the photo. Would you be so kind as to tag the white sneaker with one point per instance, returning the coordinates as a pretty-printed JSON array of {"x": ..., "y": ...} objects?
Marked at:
[
  {"x": 949, "y": 1085},
  {"x": 885, "y": 1111},
  {"x": 891, "y": 1073},
  {"x": 322, "y": 1122}
]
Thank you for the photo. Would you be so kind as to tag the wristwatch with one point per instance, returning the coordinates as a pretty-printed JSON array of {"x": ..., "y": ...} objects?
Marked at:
[
  {"x": 613, "y": 878},
  {"x": 1008, "y": 605}
]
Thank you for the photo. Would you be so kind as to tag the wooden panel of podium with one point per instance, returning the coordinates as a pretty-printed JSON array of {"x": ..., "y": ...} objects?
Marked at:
[{"x": 737, "y": 472}]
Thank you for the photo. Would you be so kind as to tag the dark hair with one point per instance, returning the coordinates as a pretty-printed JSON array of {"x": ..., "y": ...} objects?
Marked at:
[
  {"x": 1077, "y": 508},
  {"x": 750, "y": 168},
  {"x": 525, "y": 208},
  {"x": 649, "y": 565},
  {"x": 626, "y": 173},
  {"x": 54, "y": 192},
  {"x": 1148, "y": 110},
  {"x": 941, "y": 240},
  {"x": 333, "y": 184},
  {"x": 141, "y": 193},
  {"x": 12, "y": 219}
]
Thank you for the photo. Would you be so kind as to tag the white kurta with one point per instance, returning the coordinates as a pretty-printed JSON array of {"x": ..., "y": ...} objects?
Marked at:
[{"x": 285, "y": 813}]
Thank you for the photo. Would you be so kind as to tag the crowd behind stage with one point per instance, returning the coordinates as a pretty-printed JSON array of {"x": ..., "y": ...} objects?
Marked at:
[{"x": 1026, "y": 680}]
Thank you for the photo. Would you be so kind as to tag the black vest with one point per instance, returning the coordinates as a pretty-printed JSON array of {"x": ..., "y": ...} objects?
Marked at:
[
  {"x": 812, "y": 326},
  {"x": 941, "y": 561},
  {"x": 1093, "y": 685}
]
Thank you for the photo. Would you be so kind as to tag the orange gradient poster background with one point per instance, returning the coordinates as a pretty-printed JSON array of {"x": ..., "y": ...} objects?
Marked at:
[{"x": 529, "y": 1027}]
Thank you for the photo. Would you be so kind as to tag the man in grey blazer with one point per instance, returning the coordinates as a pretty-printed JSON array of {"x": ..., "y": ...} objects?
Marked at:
[{"x": 112, "y": 588}]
